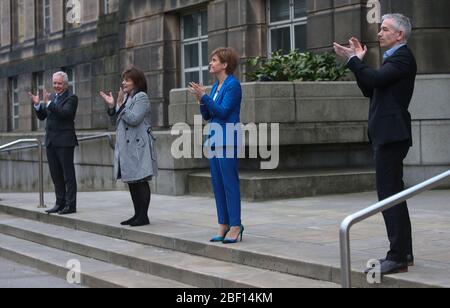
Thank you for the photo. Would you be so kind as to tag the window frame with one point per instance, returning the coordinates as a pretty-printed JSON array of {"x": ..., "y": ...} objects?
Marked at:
[
  {"x": 70, "y": 71},
  {"x": 46, "y": 30},
  {"x": 14, "y": 86},
  {"x": 106, "y": 7},
  {"x": 199, "y": 40},
  {"x": 37, "y": 88},
  {"x": 290, "y": 23}
]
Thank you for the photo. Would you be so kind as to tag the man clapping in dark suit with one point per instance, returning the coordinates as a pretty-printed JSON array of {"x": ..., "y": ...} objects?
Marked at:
[
  {"x": 59, "y": 109},
  {"x": 390, "y": 90}
]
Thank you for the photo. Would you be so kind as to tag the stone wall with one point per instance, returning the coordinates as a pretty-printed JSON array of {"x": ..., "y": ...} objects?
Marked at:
[
  {"x": 430, "y": 111},
  {"x": 339, "y": 20}
]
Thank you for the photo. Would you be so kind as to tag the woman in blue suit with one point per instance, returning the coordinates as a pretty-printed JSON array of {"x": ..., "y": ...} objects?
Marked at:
[{"x": 222, "y": 107}]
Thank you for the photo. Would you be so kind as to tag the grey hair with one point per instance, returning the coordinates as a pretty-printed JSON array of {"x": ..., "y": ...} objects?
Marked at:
[
  {"x": 63, "y": 75},
  {"x": 401, "y": 22}
]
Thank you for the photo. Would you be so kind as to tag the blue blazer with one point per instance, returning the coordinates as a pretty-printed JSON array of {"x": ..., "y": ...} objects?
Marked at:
[{"x": 225, "y": 109}]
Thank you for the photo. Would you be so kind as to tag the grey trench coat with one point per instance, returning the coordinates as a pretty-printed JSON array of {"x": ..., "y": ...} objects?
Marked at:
[{"x": 135, "y": 153}]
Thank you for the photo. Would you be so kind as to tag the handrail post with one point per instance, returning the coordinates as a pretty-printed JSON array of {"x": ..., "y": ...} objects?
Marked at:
[
  {"x": 41, "y": 160},
  {"x": 41, "y": 177},
  {"x": 344, "y": 238},
  {"x": 349, "y": 221}
]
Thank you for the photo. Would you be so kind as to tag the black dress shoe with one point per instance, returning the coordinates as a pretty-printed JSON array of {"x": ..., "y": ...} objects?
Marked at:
[
  {"x": 67, "y": 210},
  {"x": 55, "y": 209},
  {"x": 409, "y": 259},
  {"x": 140, "y": 222},
  {"x": 390, "y": 267},
  {"x": 129, "y": 221}
]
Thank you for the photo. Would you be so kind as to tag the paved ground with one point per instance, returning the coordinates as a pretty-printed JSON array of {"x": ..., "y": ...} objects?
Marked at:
[
  {"x": 305, "y": 229},
  {"x": 13, "y": 275}
]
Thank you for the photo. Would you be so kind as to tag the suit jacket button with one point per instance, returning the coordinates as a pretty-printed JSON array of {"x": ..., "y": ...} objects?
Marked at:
[{"x": 128, "y": 141}]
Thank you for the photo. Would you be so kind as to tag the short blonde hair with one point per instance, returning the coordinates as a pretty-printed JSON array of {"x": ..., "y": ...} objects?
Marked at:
[{"x": 229, "y": 56}]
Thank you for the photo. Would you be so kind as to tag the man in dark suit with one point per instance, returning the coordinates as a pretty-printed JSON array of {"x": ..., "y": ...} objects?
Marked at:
[
  {"x": 59, "y": 109},
  {"x": 390, "y": 90}
]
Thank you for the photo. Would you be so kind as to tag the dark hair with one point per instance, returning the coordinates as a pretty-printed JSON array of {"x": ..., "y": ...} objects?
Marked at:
[
  {"x": 138, "y": 78},
  {"x": 229, "y": 56}
]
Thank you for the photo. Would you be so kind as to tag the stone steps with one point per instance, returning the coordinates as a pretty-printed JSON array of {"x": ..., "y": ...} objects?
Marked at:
[
  {"x": 152, "y": 263},
  {"x": 94, "y": 273},
  {"x": 283, "y": 184},
  {"x": 276, "y": 255}
]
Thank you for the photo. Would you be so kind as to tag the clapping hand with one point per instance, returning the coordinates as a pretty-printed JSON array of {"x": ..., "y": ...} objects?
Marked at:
[
  {"x": 355, "y": 49},
  {"x": 360, "y": 51},
  {"x": 120, "y": 97},
  {"x": 109, "y": 99},
  {"x": 197, "y": 90},
  {"x": 36, "y": 100}
]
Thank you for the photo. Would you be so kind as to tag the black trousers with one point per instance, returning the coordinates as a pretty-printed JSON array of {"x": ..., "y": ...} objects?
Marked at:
[
  {"x": 389, "y": 173},
  {"x": 62, "y": 171}
]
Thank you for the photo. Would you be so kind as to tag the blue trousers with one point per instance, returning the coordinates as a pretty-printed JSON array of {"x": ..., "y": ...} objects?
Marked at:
[{"x": 225, "y": 182}]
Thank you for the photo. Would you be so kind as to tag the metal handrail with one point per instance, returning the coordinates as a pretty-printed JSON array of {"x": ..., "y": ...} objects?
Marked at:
[
  {"x": 347, "y": 223},
  {"x": 39, "y": 146},
  {"x": 87, "y": 138},
  {"x": 41, "y": 163}
]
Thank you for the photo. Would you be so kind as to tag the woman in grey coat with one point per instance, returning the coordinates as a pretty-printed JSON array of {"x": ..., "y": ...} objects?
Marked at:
[{"x": 134, "y": 155}]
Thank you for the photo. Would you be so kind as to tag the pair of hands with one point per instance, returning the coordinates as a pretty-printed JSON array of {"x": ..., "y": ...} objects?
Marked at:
[
  {"x": 109, "y": 98},
  {"x": 355, "y": 49},
  {"x": 36, "y": 100},
  {"x": 197, "y": 90}
]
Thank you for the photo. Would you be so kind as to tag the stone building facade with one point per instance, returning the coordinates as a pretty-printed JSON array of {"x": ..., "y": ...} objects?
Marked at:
[{"x": 170, "y": 41}]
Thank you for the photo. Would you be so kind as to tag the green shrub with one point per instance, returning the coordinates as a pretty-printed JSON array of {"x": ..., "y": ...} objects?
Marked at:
[{"x": 297, "y": 66}]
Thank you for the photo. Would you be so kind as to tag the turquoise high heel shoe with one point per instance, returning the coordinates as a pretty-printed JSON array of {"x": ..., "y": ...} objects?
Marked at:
[
  {"x": 219, "y": 238},
  {"x": 234, "y": 240}
]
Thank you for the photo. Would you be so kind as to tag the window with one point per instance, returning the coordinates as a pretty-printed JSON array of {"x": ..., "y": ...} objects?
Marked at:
[
  {"x": 46, "y": 17},
  {"x": 70, "y": 71},
  {"x": 14, "y": 103},
  {"x": 194, "y": 48},
  {"x": 106, "y": 8},
  {"x": 18, "y": 21},
  {"x": 38, "y": 88},
  {"x": 287, "y": 25},
  {"x": 110, "y": 6}
]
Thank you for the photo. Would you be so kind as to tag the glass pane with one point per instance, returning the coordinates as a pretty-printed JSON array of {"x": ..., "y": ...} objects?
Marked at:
[
  {"x": 16, "y": 123},
  {"x": 192, "y": 76},
  {"x": 47, "y": 25},
  {"x": 300, "y": 37},
  {"x": 205, "y": 56},
  {"x": 281, "y": 40},
  {"x": 191, "y": 55},
  {"x": 15, "y": 83},
  {"x": 300, "y": 8},
  {"x": 16, "y": 110},
  {"x": 15, "y": 97},
  {"x": 190, "y": 26},
  {"x": 279, "y": 10},
  {"x": 206, "y": 76},
  {"x": 69, "y": 73},
  {"x": 204, "y": 23}
]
